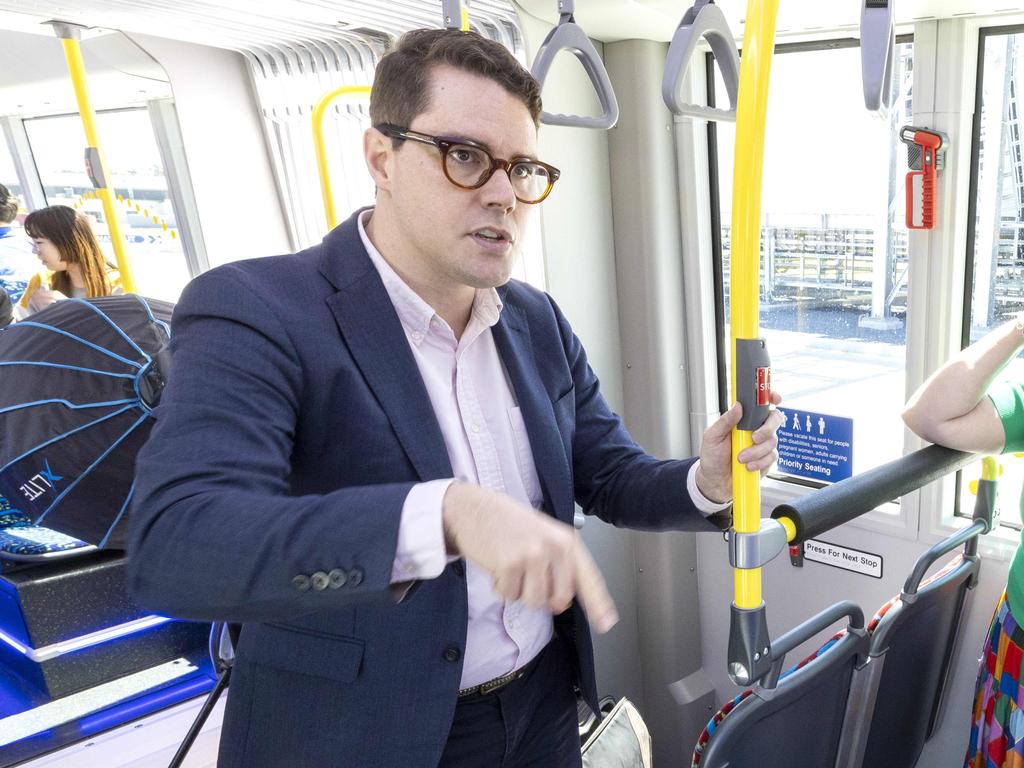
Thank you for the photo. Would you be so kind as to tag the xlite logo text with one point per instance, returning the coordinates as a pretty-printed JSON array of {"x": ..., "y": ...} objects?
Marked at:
[{"x": 41, "y": 482}]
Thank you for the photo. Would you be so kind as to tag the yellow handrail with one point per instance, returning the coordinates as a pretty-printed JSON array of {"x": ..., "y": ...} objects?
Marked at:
[
  {"x": 989, "y": 468},
  {"x": 321, "y": 150},
  {"x": 76, "y": 68},
  {"x": 751, "y": 112}
]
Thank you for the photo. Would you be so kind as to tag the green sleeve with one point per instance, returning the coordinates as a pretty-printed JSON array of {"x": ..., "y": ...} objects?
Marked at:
[{"x": 1008, "y": 398}]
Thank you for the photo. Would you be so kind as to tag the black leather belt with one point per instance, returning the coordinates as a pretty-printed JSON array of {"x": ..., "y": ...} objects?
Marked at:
[{"x": 500, "y": 682}]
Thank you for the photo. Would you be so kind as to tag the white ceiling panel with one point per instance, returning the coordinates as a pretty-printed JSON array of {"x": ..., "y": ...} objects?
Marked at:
[{"x": 241, "y": 24}]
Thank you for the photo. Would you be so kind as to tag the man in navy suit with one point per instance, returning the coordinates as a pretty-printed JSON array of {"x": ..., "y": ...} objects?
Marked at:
[{"x": 369, "y": 452}]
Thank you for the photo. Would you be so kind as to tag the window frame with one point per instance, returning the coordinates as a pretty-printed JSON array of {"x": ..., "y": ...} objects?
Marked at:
[
  {"x": 163, "y": 119},
  {"x": 897, "y": 520},
  {"x": 936, "y": 257},
  {"x": 1003, "y": 542}
]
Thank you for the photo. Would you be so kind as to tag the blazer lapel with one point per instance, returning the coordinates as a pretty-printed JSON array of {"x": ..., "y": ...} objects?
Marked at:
[
  {"x": 374, "y": 334},
  {"x": 512, "y": 337}
]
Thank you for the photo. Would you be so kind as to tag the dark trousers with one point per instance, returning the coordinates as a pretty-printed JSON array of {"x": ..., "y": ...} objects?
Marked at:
[{"x": 530, "y": 723}]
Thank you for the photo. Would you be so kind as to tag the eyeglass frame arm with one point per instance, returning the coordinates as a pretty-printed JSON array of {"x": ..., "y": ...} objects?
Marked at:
[
  {"x": 702, "y": 21},
  {"x": 569, "y": 36}
]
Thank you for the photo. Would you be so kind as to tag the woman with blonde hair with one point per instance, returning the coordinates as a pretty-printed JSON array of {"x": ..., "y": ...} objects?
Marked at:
[{"x": 64, "y": 241}]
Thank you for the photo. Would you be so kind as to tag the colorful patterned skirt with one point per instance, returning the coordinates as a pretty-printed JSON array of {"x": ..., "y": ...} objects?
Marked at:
[{"x": 997, "y": 729}]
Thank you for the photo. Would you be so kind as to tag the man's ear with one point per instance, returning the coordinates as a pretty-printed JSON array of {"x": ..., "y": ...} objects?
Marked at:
[{"x": 379, "y": 156}]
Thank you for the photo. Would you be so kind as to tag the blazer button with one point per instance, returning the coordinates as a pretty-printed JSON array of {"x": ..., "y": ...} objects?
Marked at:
[
  {"x": 319, "y": 581},
  {"x": 337, "y": 578},
  {"x": 300, "y": 582},
  {"x": 451, "y": 653},
  {"x": 355, "y": 577}
]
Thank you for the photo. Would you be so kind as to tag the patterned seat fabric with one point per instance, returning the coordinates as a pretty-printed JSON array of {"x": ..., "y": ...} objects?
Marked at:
[
  {"x": 18, "y": 536},
  {"x": 721, "y": 714}
]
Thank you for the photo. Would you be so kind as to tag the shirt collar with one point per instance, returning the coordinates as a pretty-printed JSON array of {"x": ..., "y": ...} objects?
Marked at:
[{"x": 414, "y": 313}]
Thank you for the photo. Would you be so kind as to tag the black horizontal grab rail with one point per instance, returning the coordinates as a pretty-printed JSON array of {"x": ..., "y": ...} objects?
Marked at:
[{"x": 836, "y": 504}]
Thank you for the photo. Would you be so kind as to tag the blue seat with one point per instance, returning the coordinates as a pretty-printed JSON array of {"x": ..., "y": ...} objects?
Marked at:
[
  {"x": 793, "y": 720},
  {"x": 914, "y": 638},
  {"x": 23, "y": 541}
]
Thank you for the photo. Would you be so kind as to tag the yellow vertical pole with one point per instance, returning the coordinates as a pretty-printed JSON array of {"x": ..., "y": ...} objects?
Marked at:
[
  {"x": 751, "y": 113},
  {"x": 320, "y": 147},
  {"x": 70, "y": 34}
]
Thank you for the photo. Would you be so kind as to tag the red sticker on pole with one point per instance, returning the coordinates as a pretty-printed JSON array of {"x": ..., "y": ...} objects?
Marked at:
[{"x": 764, "y": 386}]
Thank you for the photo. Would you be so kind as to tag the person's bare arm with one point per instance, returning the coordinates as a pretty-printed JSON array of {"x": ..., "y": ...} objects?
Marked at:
[{"x": 951, "y": 409}]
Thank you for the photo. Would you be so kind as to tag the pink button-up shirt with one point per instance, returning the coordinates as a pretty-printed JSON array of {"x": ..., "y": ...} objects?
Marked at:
[{"x": 487, "y": 444}]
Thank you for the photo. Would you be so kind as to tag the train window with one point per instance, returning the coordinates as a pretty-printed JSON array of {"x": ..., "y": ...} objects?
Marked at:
[
  {"x": 8, "y": 173},
  {"x": 833, "y": 253},
  {"x": 136, "y": 175},
  {"x": 995, "y": 285}
]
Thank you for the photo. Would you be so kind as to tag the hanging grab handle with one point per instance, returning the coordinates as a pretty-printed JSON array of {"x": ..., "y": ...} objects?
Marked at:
[
  {"x": 569, "y": 36},
  {"x": 877, "y": 52},
  {"x": 703, "y": 20}
]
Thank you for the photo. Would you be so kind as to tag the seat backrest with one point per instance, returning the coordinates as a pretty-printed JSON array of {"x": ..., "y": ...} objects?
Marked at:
[
  {"x": 795, "y": 725},
  {"x": 911, "y": 650}
]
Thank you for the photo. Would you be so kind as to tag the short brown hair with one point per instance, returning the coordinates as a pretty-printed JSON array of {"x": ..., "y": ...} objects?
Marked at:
[
  {"x": 8, "y": 206},
  {"x": 401, "y": 85}
]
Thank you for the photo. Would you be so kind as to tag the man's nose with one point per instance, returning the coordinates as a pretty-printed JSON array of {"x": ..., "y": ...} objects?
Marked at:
[{"x": 498, "y": 190}]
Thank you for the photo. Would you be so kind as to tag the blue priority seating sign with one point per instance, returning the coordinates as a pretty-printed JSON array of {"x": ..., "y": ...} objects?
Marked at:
[{"x": 815, "y": 446}]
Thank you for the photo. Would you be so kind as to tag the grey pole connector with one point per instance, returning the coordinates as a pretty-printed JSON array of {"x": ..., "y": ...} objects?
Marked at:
[
  {"x": 67, "y": 30},
  {"x": 452, "y": 10}
]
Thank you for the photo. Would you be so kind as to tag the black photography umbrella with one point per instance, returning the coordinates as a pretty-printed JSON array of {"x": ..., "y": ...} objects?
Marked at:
[{"x": 77, "y": 383}]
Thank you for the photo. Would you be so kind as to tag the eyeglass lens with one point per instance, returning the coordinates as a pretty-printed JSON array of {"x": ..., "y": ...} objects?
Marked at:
[{"x": 471, "y": 167}]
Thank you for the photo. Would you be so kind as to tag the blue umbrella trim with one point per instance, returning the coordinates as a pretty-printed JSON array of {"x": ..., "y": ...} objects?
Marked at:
[
  {"x": 149, "y": 311},
  {"x": 107, "y": 352},
  {"x": 72, "y": 406},
  {"x": 114, "y": 325},
  {"x": 71, "y": 368},
  {"x": 91, "y": 467},
  {"x": 120, "y": 514},
  {"x": 61, "y": 436}
]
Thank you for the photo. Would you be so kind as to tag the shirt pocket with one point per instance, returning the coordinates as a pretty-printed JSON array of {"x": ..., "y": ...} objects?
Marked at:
[{"x": 524, "y": 457}]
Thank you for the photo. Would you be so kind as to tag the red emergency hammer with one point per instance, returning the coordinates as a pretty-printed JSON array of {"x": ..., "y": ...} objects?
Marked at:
[{"x": 926, "y": 151}]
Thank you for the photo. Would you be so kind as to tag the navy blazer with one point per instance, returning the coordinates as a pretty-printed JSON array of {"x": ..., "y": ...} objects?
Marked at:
[{"x": 294, "y": 423}]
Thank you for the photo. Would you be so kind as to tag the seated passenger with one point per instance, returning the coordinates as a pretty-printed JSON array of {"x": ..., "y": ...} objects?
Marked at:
[
  {"x": 17, "y": 265},
  {"x": 958, "y": 407},
  {"x": 6, "y": 310},
  {"x": 75, "y": 267}
]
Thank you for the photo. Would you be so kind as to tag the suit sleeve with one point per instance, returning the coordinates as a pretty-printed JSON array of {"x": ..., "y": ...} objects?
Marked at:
[
  {"x": 215, "y": 533},
  {"x": 613, "y": 477}
]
